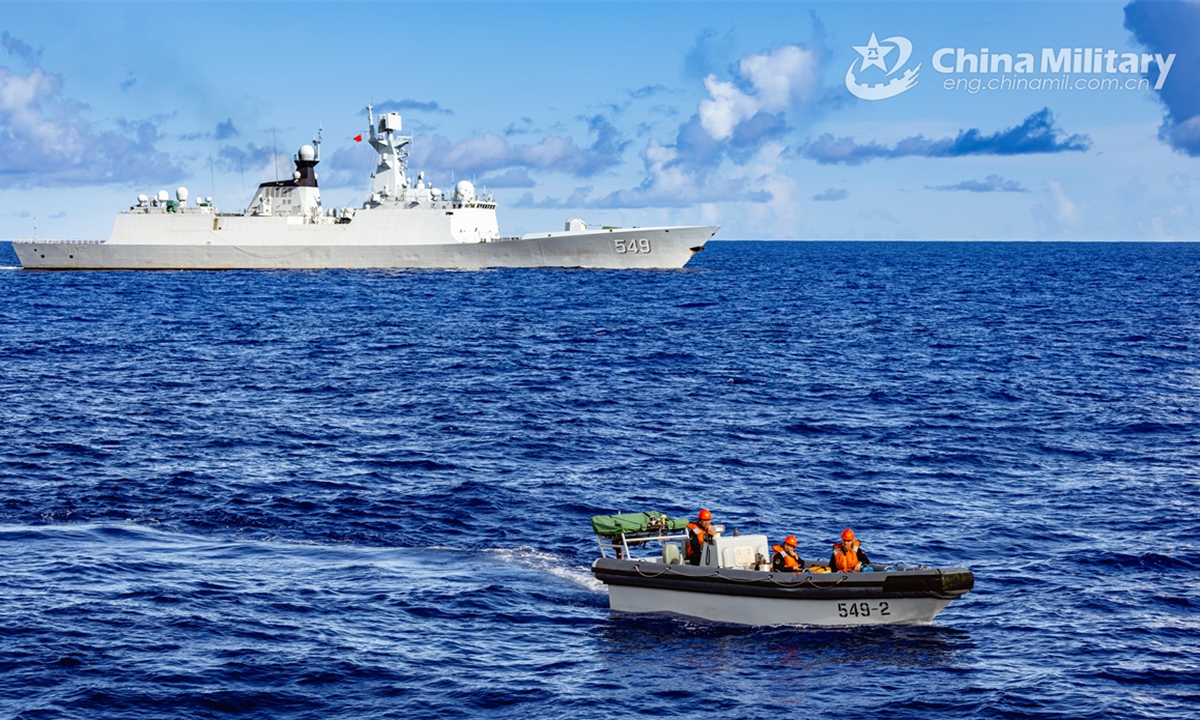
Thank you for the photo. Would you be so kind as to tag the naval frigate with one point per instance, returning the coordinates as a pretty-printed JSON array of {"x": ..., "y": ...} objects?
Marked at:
[{"x": 404, "y": 223}]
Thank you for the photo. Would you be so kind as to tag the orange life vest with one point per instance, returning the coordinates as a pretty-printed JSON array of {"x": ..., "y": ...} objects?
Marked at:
[
  {"x": 845, "y": 561},
  {"x": 789, "y": 562},
  {"x": 701, "y": 537}
]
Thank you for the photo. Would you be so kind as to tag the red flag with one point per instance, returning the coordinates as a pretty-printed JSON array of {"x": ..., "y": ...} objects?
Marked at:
[{"x": 358, "y": 137}]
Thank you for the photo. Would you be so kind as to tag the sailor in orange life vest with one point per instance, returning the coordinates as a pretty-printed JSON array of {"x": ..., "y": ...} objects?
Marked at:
[
  {"x": 699, "y": 533},
  {"x": 785, "y": 558},
  {"x": 847, "y": 556}
]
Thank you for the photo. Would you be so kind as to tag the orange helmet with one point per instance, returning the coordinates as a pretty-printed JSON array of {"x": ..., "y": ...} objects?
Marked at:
[
  {"x": 790, "y": 540},
  {"x": 705, "y": 515},
  {"x": 847, "y": 534}
]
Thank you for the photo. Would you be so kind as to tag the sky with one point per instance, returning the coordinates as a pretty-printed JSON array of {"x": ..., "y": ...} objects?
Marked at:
[{"x": 778, "y": 120}]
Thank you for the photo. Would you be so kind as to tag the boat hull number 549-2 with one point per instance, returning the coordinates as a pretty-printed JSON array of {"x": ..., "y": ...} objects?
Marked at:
[
  {"x": 641, "y": 245},
  {"x": 862, "y": 609}
]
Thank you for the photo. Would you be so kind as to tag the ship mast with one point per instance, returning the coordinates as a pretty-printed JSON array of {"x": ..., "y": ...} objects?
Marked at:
[{"x": 389, "y": 179}]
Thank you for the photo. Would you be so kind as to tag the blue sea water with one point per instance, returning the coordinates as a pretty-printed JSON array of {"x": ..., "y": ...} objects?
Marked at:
[{"x": 347, "y": 494}]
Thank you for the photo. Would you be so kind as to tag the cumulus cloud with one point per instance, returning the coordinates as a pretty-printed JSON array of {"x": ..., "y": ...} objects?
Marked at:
[
  {"x": 513, "y": 178},
  {"x": 47, "y": 141},
  {"x": 739, "y": 120},
  {"x": 832, "y": 194},
  {"x": 707, "y": 54},
  {"x": 991, "y": 183},
  {"x": 502, "y": 164},
  {"x": 577, "y": 199},
  {"x": 19, "y": 49},
  {"x": 232, "y": 158},
  {"x": 647, "y": 91},
  {"x": 225, "y": 130},
  {"x": 767, "y": 83},
  {"x": 493, "y": 153},
  {"x": 1059, "y": 216},
  {"x": 672, "y": 184},
  {"x": 1037, "y": 134},
  {"x": 346, "y": 166},
  {"x": 1165, "y": 28},
  {"x": 520, "y": 127},
  {"x": 388, "y": 106}
]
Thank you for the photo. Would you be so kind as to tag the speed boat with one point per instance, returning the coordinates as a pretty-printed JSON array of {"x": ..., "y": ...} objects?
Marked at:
[{"x": 642, "y": 563}]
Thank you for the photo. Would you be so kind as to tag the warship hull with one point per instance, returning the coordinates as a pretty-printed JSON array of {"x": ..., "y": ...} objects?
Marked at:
[{"x": 337, "y": 246}]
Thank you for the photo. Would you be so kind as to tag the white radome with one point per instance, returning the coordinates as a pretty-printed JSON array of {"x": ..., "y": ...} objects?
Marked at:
[{"x": 464, "y": 191}]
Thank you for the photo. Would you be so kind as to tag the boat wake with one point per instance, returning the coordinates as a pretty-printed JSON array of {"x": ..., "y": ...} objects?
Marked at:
[{"x": 555, "y": 565}]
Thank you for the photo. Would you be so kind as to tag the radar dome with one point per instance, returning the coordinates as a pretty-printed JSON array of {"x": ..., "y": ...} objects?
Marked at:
[
  {"x": 163, "y": 196},
  {"x": 142, "y": 199},
  {"x": 464, "y": 191},
  {"x": 307, "y": 153},
  {"x": 181, "y": 194}
]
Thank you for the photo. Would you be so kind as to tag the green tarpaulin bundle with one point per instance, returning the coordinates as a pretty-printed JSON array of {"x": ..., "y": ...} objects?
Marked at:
[{"x": 636, "y": 523}]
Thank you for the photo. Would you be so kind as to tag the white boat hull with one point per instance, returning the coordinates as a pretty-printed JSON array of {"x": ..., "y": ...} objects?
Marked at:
[{"x": 742, "y": 610}]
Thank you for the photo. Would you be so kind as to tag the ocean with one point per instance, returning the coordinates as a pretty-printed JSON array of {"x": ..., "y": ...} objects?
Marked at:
[{"x": 349, "y": 494}]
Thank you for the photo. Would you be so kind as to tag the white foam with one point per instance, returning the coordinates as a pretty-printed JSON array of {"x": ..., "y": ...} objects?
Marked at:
[{"x": 557, "y": 566}]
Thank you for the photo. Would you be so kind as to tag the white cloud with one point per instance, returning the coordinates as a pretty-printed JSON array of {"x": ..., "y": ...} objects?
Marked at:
[
  {"x": 728, "y": 107},
  {"x": 492, "y": 152},
  {"x": 776, "y": 79},
  {"x": 46, "y": 141},
  {"x": 22, "y": 117},
  {"x": 1060, "y": 217}
]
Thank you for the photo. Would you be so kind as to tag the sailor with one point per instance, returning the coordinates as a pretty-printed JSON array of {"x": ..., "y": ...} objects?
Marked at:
[
  {"x": 785, "y": 558},
  {"x": 699, "y": 532},
  {"x": 847, "y": 555}
]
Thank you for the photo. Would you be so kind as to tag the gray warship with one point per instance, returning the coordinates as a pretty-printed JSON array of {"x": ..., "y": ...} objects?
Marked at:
[{"x": 404, "y": 223}]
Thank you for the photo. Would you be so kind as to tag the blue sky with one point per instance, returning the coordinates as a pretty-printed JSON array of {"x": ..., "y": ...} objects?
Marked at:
[{"x": 621, "y": 113}]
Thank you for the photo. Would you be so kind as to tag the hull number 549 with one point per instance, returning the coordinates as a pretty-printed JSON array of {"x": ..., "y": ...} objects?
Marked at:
[{"x": 641, "y": 245}]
